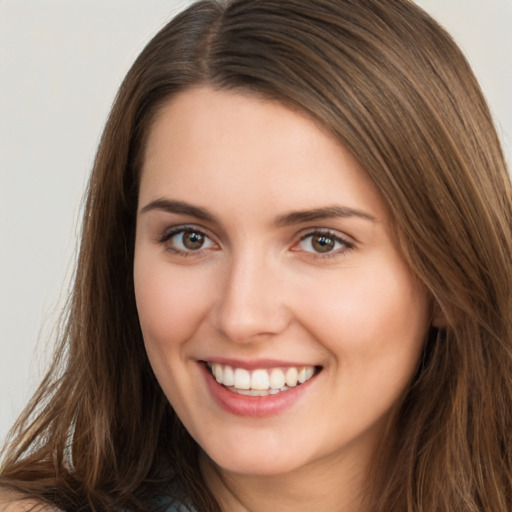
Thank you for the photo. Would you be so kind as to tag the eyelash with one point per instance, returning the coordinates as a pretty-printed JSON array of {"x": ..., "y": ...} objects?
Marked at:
[
  {"x": 168, "y": 235},
  {"x": 346, "y": 245}
]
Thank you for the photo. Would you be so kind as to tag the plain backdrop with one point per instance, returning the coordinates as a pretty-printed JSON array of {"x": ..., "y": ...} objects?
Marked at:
[{"x": 61, "y": 62}]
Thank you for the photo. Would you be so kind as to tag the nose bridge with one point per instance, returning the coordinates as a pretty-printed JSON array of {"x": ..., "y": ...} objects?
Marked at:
[{"x": 251, "y": 302}]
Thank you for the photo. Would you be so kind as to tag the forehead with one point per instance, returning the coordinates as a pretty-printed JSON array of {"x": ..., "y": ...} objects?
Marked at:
[{"x": 234, "y": 148}]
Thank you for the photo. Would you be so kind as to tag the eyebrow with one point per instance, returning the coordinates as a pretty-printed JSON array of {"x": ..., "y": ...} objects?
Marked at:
[
  {"x": 172, "y": 206},
  {"x": 296, "y": 217},
  {"x": 328, "y": 212}
]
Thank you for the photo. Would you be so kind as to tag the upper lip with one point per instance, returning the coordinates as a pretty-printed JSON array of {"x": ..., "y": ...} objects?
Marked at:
[{"x": 255, "y": 364}]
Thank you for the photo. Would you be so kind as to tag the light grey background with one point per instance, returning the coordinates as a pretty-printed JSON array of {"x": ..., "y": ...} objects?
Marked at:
[{"x": 61, "y": 62}]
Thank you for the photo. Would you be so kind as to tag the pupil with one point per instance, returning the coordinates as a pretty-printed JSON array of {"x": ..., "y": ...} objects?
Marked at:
[
  {"x": 192, "y": 240},
  {"x": 323, "y": 243}
]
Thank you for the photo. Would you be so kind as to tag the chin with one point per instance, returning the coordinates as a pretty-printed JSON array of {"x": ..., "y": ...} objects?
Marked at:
[
  {"x": 257, "y": 458},
  {"x": 260, "y": 466}
]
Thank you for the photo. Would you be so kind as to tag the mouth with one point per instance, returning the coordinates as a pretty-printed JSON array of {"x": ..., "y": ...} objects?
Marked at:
[{"x": 261, "y": 381}]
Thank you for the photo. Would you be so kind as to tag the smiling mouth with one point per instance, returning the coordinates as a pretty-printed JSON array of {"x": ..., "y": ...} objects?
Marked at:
[{"x": 261, "y": 382}]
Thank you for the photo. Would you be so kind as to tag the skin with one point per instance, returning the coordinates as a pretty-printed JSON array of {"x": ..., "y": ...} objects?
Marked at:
[
  {"x": 12, "y": 502},
  {"x": 259, "y": 289}
]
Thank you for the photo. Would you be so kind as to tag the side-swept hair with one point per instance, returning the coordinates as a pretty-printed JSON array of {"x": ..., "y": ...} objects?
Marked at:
[{"x": 396, "y": 91}]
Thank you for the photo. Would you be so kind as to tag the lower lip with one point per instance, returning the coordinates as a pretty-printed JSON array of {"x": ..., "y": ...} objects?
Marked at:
[{"x": 253, "y": 406}]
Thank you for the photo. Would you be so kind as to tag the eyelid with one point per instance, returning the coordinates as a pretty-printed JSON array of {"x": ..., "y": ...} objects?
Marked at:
[
  {"x": 183, "y": 228},
  {"x": 347, "y": 242},
  {"x": 169, "y": 231},
  {"x": 344, "y": 237}
]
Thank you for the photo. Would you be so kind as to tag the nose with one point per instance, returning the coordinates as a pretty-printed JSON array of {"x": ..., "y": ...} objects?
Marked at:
[{"x": 251, "y": 304}]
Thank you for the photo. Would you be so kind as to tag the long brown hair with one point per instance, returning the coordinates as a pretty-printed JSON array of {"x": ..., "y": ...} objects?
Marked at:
[{"x": 395, "y": 90}]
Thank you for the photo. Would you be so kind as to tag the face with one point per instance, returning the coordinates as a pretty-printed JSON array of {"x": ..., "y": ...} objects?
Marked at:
[{"x": 278, "y": 315}]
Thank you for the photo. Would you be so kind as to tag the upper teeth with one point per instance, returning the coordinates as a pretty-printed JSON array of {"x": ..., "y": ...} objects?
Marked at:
[{"x": 261, "y": 379}]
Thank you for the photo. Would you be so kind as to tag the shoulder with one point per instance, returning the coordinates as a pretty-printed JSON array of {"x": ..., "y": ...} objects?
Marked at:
[{"x": 11, "y": 502}]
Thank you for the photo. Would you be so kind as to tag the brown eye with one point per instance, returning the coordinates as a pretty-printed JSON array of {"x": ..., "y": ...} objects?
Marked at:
[
  {"x": 193, "y": 240},
  {"x": 186, "y": 240},
  {"x": 322, "y": 243}
]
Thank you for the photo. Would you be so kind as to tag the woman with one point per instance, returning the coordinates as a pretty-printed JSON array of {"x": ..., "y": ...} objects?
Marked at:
[{"x": 294, "y": 283}]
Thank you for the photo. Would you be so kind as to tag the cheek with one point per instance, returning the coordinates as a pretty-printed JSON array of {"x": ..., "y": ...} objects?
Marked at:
[
  {"x": 170, "y": 303},
  {"x": 367, "y": 315},
  {"x": 374, "y": 326}
]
